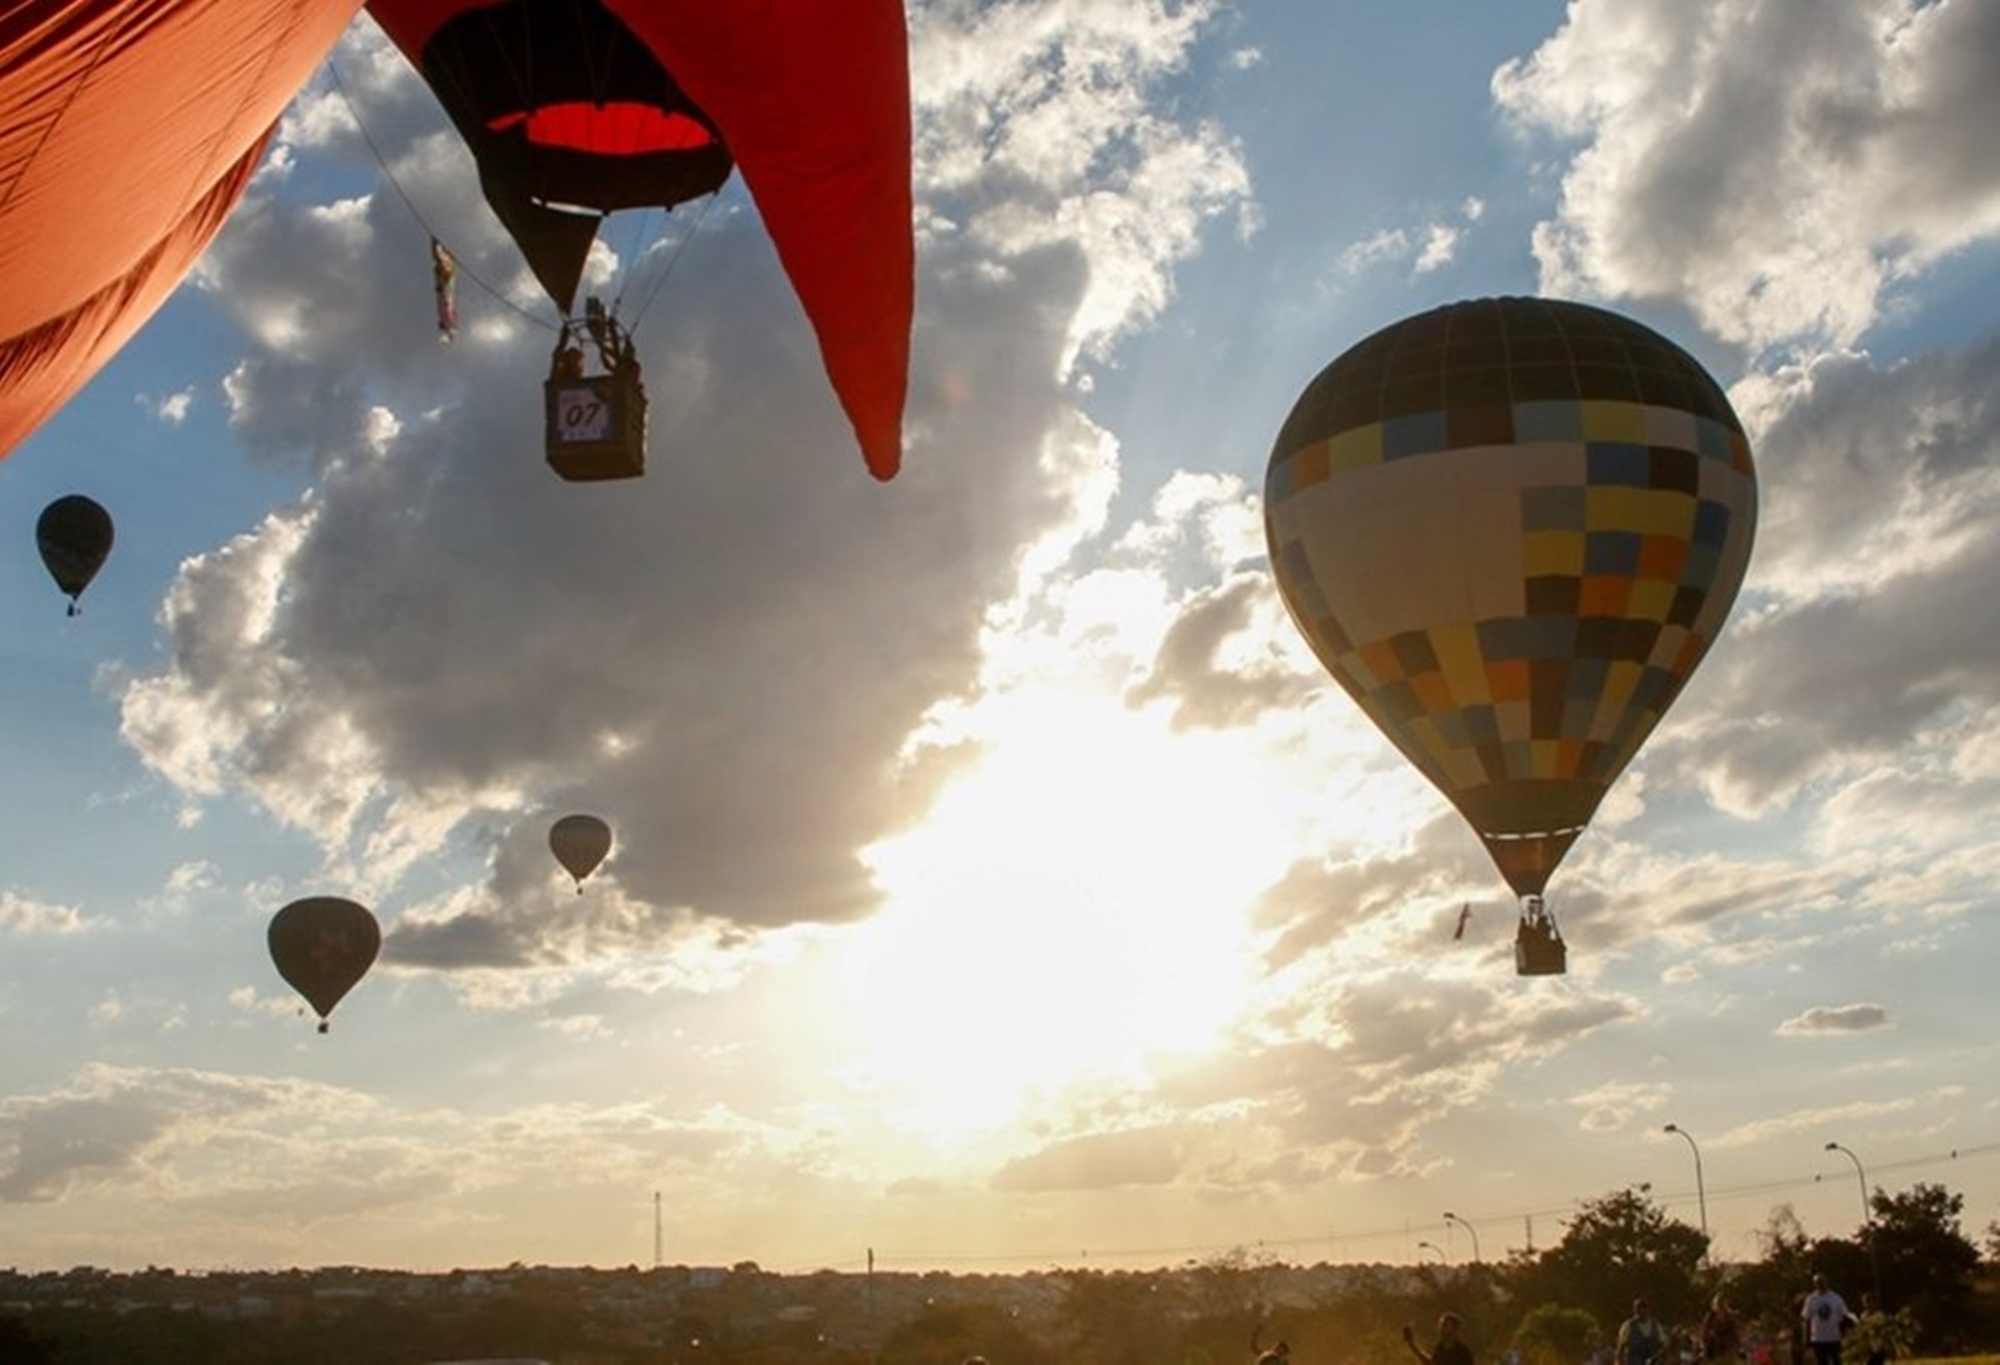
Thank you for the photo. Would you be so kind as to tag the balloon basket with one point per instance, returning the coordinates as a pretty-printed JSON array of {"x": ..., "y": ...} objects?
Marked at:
[
  {"x": 1539, "y": 949},
  {"x": 597, "y": 427}
]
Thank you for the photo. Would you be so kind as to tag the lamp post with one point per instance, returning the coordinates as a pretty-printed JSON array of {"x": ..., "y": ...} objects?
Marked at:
[
  {"x": 1700, "y": 1190},
  {"x": 1433, "y": 1246},
  {"x": 1867, "y": 1218},
  {"x": 1454, "y": 1218}
]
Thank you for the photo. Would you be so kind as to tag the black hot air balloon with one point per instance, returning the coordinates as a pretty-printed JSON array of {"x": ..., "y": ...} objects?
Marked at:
[
  {"x": 579, "y": 843},
  {"x": 74, "y": 535},
  {"x": 322, "y": 945},
  {"x": 1510, "y": 529}
]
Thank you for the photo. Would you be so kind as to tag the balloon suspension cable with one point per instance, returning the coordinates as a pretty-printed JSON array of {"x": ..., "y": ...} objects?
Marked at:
[
  {"x": 354, "y": 112},
  {"x": 673, "y": 259}
]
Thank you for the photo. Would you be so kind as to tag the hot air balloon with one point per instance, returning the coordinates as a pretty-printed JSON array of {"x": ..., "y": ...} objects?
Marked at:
[
  {"x": 1510, "y": 529},
  {"x": 579, "y": 843},
  {"x": 128, "y": 129},
  {"x": 322, "y": 945},
  {"x": 575, "y": 109},
  {"x": 74, "y": 535}
]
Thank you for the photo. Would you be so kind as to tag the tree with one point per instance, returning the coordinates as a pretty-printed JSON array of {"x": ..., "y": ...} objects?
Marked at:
[
  {"x": 1554, "y": 1335},
  {"x": 1119, "y": 1318},
  {"x": 956, "y": 1331},
  {"x": 1621, "y": 1247},
  {"x": 1927, "y": 1263},
  {"x": 1767, "y": 1293}
]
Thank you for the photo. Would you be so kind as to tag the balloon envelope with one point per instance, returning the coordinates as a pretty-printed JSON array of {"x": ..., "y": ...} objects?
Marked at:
[
  {"x": 809, "y": 98},
  {"x": 74, "y": 535},
  {"x": 322, "y": 945},
  {"x": 1510, "y": 529},
  {"x": 128, "y": 129},
  {"x": 580, "y": 843}
]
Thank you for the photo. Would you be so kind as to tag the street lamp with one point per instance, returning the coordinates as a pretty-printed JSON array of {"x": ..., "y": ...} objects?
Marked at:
[
  {"x": 1700, "y": 1190},
  {"x": 1867, "y": 1217},
  {"x": 1454, "y": 1218},
  {"x": 1433, "y": 1246}
]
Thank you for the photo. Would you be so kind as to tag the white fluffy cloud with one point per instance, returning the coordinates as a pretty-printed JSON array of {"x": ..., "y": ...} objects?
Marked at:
[
  {"x": 25, "y": 915},
  {"x": 1775, "y": 165}
]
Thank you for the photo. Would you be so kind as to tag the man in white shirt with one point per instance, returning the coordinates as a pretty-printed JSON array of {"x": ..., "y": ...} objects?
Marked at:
[{"x": 1827, "y": 1320}]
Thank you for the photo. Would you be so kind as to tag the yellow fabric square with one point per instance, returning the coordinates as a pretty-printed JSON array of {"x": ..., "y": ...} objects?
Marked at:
[
  {"x": 1606, "y": 419},
  {"x": 1551, "y": 554},
  {"x": 1356, "y": 447},
  {"x": 1650, "y": 511},
  {"x": 1651, "y": 600},
  {"x": 1545, "y": 758},
  {"x": 1620, "y": 677},
  {"x": 1457, "y": 650}
]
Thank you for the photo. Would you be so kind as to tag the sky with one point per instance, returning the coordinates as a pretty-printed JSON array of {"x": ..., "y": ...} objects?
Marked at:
[{"x": 999, "y": 883}]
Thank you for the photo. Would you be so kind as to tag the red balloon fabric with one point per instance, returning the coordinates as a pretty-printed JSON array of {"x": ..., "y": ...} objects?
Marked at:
[
  {"x": 128, "y": 129},
  {"x": 813, "y": 98},
  {"x": 603, "y": 104}
]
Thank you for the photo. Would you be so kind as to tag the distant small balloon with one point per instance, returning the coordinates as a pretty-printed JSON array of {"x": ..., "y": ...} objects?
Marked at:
[
  {"x": 322, "y": 946},
  {"x": 580, "y": 843},
  {"x": 74, "y": 535}
]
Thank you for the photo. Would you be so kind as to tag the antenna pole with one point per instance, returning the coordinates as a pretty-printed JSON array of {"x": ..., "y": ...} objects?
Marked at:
[{"x": 656, "y": 1229}]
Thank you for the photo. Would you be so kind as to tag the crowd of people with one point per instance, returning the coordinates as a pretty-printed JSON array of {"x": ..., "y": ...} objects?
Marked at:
[{"x": 1824, "y": 1324}]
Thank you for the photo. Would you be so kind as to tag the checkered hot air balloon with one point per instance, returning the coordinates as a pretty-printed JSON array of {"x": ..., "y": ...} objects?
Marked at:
[{"x": 1510, "y": 529}]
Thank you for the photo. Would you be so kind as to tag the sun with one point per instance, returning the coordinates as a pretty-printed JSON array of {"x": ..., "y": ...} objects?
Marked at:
[{"x": 1073, "y": 911}]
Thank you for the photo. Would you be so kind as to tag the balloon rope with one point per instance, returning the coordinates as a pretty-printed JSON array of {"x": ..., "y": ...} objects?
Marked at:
[
  {"x": 387, "y": 174},
  {"x": 708, "y": 205}
]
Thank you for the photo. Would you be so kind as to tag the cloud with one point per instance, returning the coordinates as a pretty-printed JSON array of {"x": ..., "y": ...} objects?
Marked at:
[
  {"x": 1095, "y": 1161},
  {"x": 173, "y": 409},
  {"x": 1871, "y": 622},
  {"x": 1037, "y": 127},
  {"x": 723, "y": 660},
  {"x": 1811, "y": 1120},
  {"x": 1425, "y": 248},
  {"x": 25, "y": 915},
  {"x": 198, "y": 1167},
  {"x": 1775, "y": 209},
  {"x": 1832, "y": 1020},
  {"x": 1614, "y": 1106},
  {"x": 102, "y": 1127}
]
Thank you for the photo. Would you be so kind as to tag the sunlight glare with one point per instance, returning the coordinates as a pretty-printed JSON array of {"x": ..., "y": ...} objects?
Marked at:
[{"x": 1074, "y": 910}]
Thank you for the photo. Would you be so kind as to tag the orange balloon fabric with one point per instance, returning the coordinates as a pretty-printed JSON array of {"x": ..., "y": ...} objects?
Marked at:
[{"x": 128, "y": 129}]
